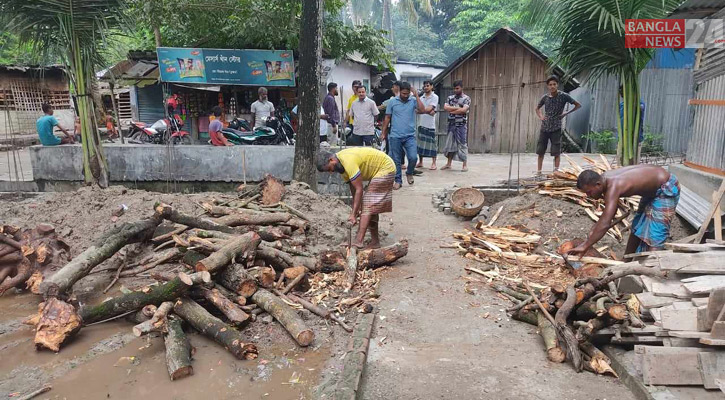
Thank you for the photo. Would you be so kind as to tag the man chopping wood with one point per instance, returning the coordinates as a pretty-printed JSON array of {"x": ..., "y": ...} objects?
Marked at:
[
  {"x": 660, "y": 193},
  {"x": 357, "y": 165}
]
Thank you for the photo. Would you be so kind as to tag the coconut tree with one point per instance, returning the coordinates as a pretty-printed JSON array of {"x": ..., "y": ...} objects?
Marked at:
[
  {"x": 593, "y": 45},
  {"x": 71, "y": 32}
]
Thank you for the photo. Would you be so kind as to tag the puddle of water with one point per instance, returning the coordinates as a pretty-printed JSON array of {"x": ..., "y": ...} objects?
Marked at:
[
  {"x": 18, "y": 305},
  {"x": 277, "y": 374}
]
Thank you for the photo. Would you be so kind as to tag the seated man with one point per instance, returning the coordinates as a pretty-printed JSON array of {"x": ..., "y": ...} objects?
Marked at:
[
  {"x": 215, "y": 129},
  {"x": 45, "y": 126},
  {"x": 364, "y": 164},
  {"x": 660, "y": 193}
]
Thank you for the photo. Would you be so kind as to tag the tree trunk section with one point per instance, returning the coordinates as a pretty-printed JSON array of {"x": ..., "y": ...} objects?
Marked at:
[
  {"x": 104, "y": 248},
  {"x": 236, "y": 278},
  {"x": 351, "y": 267},
  {"x": 553, "y": 351},
  {"x": 240, "y": 247},
  {"x": 57, "y": 321},
  {"x": 375, "y": 258},
  {"x": 235, "y": 314},
  {"x": 213, "y": 328},
  {"x": 265, "y": 276},
  {"x": 242, "y": 218},
  {"x": 286, "y": 315},
  {"x": 272, "y": 189},
  {"x": 178, "y": 350},
  {"x": 156, "y": 295},
  {"x": 564, "y": 332},
  {"x": 308, "y": 136},
  {"x": 167, "y": 212},
  {"x": 157, "y": 321}
]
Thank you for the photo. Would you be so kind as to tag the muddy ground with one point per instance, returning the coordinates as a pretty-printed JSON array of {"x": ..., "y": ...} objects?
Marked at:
[{"x": 107, "y": 361}]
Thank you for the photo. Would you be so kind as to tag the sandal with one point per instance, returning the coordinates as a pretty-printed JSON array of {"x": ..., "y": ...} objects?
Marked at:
[
  {"x": 433, "y": 168},
  {"x": 445, "y": 167},
  {"x": 396, "y": 186},
  {"x": 410, "y": 179}
]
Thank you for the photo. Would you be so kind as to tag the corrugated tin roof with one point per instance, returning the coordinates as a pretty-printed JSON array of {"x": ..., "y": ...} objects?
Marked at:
[
  {"x": 697, "y": 9},
  {"x": 132, "y": 70},
  {"x": 692, "y": 207}
]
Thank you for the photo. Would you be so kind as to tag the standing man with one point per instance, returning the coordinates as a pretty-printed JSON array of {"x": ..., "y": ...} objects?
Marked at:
[
  {"x": 358, "y": 165},
  {"x": 660, "y": 193},
  {"x": 216, "y": 136},
  {"x": 400, "y": 114},
  {"x": 323, "y": 125},
  {"x": 457, "y": 106},
  {"x": 364, "y": 111},
  {"x": 348, "y": 118},
  {"x": 331, "y": 112},
  {"x": 554, "y": 103},
  {"x": 427, "y": 144},
  {"x": 261, "y": 108},
  {"x": 45, "y": 125}
]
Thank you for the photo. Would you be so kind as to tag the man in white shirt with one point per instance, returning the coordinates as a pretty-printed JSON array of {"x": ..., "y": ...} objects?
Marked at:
[
  {"x": 363, "y": 110},
  {"x": 323, "y": 125},
  {"x": 427, "y": 142},
  {"x": 261, "y": 108}
]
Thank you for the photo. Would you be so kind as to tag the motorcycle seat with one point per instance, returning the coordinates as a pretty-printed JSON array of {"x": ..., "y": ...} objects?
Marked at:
[{"x": 238, "y": 132}]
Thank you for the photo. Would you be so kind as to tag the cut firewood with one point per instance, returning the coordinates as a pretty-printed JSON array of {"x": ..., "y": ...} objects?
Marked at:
[
  {"x": 167, "y": 212},
  {"x": 56, "y": 323},
  {"x": 215, "y": 329},
  {"x": 23, "y": 271},
  {"x": 351, "y": 268},
  {"x": 278, "y": 259},
  {"x": 376, "y": 258},
  {"x": 161, "y": 258},
  {"x": 142, "y": 315},
  {"x": 236, "y": 278},
  {"x": 124, "y": 303},
  {"x": 247, "y": 218},
  {"x": 233, "y": 313},
  {"x": 319, "y": 311},
  {"x": 563, "y": 330},
  {"x": 272, "y": 190},
  {"x": 102, "y": 249},
  {"x": 286, "y": 316},
  {"x": 598, "y": 361},
  {"x": 265, "y": 276},
  {"x": 554, "y": 352},
  {"x": 294, "y": 283},
  {"x": 242, "y": 247},
  {"x": 157, "y": 321},
  {"x": 178, "y": 350}
]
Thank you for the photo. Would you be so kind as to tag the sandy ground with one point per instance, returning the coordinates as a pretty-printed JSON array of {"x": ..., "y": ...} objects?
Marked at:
[{"x": 431, "y": 340}]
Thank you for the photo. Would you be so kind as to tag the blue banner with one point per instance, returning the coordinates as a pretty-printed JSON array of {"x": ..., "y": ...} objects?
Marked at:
[{"x": 227, "y": 67}]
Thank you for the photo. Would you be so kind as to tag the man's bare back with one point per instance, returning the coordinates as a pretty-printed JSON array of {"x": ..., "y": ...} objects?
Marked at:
[{"x": 643, "y": 180}]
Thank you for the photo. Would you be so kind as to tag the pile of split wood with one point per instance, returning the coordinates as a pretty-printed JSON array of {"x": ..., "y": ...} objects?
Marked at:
[{"x": 242, "y": 259}]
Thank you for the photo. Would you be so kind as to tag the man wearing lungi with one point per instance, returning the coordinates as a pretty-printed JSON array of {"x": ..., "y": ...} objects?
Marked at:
[
  {"x": 427, "y": 143},
  {"x": 357, "y": 165},
  {"x": 660, "y": 193},
  {"x": 457, "y": 106}
]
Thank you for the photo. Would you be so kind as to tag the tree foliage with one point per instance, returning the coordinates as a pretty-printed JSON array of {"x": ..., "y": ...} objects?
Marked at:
[{"x": 417, "y": 42}]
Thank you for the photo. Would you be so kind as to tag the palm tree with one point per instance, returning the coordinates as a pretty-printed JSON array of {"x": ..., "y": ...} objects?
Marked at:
[
  {"x": 72, "y": 32},
  {"x": 593, "y": 45}
]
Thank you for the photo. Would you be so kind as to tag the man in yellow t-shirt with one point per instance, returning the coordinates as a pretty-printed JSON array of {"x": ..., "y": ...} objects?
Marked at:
[
  {"x": 359, "y": 164},
  {"x": 348, "y": 118}
]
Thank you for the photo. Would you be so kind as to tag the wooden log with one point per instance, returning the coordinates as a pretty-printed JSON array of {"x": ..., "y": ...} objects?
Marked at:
[
  {"x": 554, "y": 352},
  {"x": 161, "y": 258},
  {"x": 598, "y": 362},
  {"x": 294, "y": 283},
  {"x": 351, "y": 268},
  {"x": 178, "y": 350},
  {"x": 278, "y": 259},
  {"x": 319, "y": 311},
  {"x": 167, "y": 212},
  {"x": 288, "y": 249},
  {"x": 197, "y": 278},
  {"x": 236, "y": 278},
  {"x": 142, "y": 315},
  {"x": 355, "y": 359},
  {"x": 286, "y": 316},
  {"x": 293, "y": 211},
  {"x": 124, "y": 303},
  {"x": 215, "y": 329},
  {"x": 23, "y": 271},
  {"x": 375, "y": 258},
  {"x": 157, "y": 322},
  {"x": 233, "y": 313},
  {"x": 565, "y": 333},
  {"x": 246, "y": 218},
  {"x": 241, "y": 247},
  {"x": 272, "y": 190},
  {"x": 102, "y": 249},
  {"x": 236, "y": 298},
  {"x": 57, "y": 321},
  {"x": 10, "y": 241},
  {"x": 331, "y": 261},
  {"x": 265, "y": 276}
]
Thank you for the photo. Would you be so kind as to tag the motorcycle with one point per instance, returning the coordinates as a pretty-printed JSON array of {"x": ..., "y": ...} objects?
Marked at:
[
  {"x": 160, "y": 132},
  {"x": 239, "y": 132}
]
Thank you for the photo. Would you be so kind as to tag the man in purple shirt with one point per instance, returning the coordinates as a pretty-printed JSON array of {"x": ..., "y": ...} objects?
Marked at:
[{"x": 332, "y": 113}]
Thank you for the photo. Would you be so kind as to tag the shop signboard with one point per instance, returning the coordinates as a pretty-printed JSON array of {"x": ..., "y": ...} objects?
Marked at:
[{"x": 227, "y": 67}]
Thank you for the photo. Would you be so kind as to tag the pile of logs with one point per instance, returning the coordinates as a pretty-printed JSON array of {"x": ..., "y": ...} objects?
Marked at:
[
  {"x": 568, "y": 317},
  {"x": 240, "y": 260}
]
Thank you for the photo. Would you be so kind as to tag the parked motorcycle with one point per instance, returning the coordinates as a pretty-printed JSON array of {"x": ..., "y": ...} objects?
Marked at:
[
  {"x": 239, "y": 132},
  {"x": 160, "y": 132}
]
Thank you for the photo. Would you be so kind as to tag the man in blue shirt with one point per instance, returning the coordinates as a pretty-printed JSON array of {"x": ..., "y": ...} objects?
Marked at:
[
  {"x": 45, "y": 126},
  {"x": 400, "y": 114}
]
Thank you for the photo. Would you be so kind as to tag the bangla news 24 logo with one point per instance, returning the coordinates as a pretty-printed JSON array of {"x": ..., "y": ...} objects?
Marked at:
[{"x": 674, "y": 33}]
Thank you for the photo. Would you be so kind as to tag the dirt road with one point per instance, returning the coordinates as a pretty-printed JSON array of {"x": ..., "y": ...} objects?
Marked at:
[{"x": 434, "y": 341}]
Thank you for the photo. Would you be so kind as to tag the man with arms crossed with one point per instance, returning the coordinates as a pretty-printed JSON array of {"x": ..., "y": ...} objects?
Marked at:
[{"x": 553, "y": 103}]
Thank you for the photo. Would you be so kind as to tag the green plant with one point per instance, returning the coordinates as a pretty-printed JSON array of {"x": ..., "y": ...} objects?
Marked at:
[
  {"x": 605, "y": 141},
  {"x": 653, "y": 143},
  {"x": 593, "y": 45}
]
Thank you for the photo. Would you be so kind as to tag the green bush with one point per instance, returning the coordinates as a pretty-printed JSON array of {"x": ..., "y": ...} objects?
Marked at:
[
  {"x": 604, "y": 140},
  {"x": 653, "y": 143}
]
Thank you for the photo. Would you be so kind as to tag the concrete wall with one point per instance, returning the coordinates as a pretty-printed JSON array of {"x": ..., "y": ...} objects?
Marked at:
[
  {"x": 196, "y": 163},
  {"x": 23, "y": 122}
]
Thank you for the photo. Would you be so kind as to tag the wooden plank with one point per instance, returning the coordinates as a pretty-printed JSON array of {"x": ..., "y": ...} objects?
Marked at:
[
  {"x": 641, "y": 339},
  {"x": 693, "y": 247},
  {"x": 703, "y": 168},
  {"x": 689, "y": 334},
  {"x": 708, "y": 262},
  {"x": 712, "y": 367},
  {"x": 681, "y": 342},
  {"x": 671, "y": 289},
  {"x": 706, "y": 102},
  {"x": 712, "y": 342},
  {"x": 671, "y": 365},
  {"x": 714, "y": 208},
  {"x": 680, "y": 320},
  {"x": 716, "y": 302},
  {"x": 628, "y": 330},
  {"x": 699, "y": 301},
  {"x": 649, "y": 300},
  {"x": 703, "y": 285},
  {"x": 717, "y": 220}
]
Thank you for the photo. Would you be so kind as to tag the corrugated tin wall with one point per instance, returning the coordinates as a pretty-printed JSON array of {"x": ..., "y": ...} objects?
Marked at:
[{"x": 707, "y": 144}]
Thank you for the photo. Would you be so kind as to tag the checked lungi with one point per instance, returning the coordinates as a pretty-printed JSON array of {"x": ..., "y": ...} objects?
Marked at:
[
  {"x": 378, "y": 197},
  {"x": 652, "y": 221},
  {"x": 427, "y": 146},
  {"x": 457, "y": 142}
]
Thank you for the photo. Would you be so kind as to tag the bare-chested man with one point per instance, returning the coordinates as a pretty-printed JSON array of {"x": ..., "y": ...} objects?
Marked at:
[{"x": 660, "y": 193}]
